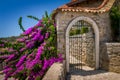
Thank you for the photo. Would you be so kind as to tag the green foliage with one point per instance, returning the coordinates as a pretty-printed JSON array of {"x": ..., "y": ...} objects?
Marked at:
[
  {"x": 78, "y": 31},
  {"x": 115, "y": 22},
  {"x": 33, "y": 17},
  {"x": 38, "y": 78},
  {"x": 20, "y": 24},
  {"x": 30, "y": 56},
  {"x": 46, "y": 14},
  {"x": 51, "y": 41},
  {"x": 84, "y": 30}
]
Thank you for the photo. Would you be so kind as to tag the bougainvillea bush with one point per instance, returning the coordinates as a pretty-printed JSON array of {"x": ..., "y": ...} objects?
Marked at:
[{"x": 29, "y": 57}]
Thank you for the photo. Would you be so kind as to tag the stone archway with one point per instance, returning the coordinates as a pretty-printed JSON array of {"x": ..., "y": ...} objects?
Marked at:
[{"x": 96, "y": 31}]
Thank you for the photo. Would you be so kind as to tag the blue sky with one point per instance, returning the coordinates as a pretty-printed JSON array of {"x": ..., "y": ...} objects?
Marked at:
[{"x": 11, "y": 10}]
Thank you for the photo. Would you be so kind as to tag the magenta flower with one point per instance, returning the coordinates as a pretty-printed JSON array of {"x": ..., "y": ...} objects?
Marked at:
[
  {"x": 32, "y": 61},
  {"x": 7, "y": 70},
  {"x": 10, "y": 57},
  {"x": 30, "y": 45},
  {"x": 41, "y": 38},
  {"x": 51, "y": 61},
  {"x": 27, "y": 32},
  {"x": 54, "y": 25},
  {"x": 1, "y": 45},
  {"x": 33, "y": 34},
  {"x": 39, "y": 52},
  {"x": 31, "y": 78},
  {"x": 60, "y": 58},
  {"x": 21, "y": 40},
  {"x": 21, "y": 61},
  {"x": 11, "y": 50},
  {"x": 22, "y": 49},
  {"x": 40, "y": 49},
  {"x": 41, "y": 73},
  {"x": 47, "y": 35},
  {"x": 4, "y": 56},
  {"x": 31, "y": 64},
  {"x": 36, "y": 37},
  {"x": 45, "y": 65},
  {"x": 7, "y": 75},
  {"x": 43, "y": 44},
  {"x": 20, "y": 68},
  {"x": 39, "y": 23},
  {"x": 27, "y": 41}
]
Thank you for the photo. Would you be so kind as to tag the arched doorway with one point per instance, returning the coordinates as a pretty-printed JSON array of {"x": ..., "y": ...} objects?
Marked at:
[{"x": 76, "y": 38}]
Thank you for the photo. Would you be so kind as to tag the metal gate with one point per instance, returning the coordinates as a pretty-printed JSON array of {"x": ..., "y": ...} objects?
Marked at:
[{"x": 81, "y": 45}]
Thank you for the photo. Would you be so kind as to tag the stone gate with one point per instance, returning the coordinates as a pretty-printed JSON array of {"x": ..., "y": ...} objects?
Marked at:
[{"x": 94, "y": 12}]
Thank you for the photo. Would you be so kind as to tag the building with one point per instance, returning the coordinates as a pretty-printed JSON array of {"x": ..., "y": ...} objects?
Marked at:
[{"x": 84, "y": 35}]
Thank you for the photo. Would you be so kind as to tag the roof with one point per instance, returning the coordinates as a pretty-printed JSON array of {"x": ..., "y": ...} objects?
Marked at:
[{"x": 76, "y": 6}]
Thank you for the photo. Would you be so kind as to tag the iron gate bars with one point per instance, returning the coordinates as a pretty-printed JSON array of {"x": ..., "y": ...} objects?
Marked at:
[{"x": 80, "y": 37}]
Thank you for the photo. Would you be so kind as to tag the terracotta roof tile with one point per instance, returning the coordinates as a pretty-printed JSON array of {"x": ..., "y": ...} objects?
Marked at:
[{"x": 105, "y": 6}]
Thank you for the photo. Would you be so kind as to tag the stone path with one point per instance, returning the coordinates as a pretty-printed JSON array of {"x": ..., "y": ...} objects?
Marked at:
[
  {"x": 93, "y": 75},
  {"x": 88, "y": 73}
]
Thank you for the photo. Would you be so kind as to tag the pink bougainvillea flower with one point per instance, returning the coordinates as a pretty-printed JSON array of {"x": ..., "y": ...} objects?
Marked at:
[
  {"x": 39, "y": 23},
  {"x": 1, "y": 45},
  {"x": 22, "y": 49},
  {"x": 37, "y": 36},
  {"x": 30, "y": 44},
  {"x": 21, "y": 60},
  {"x": 54, "y": 24},
  {"x": 21, "y": 39},
  {"x": 10, "y": 57},
  {"x": 47, "y": 35},
  {"x": 45, "y": 65},
  {"x": 27, "y": 32}
]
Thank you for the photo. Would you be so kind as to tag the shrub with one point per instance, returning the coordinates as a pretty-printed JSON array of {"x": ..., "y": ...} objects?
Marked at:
[
  {"x": 81, "y": 30},
  {"x": 115, "y": 23},
  {"x": 31, "y": 56}
]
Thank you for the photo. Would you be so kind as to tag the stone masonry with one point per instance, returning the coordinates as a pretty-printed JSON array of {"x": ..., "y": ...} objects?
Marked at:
[
  {"x": 64, "y": 18},
  {"x": 111, "y": 60}
]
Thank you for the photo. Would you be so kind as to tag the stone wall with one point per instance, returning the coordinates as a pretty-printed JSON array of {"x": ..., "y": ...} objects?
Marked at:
[
  {"x": 102, "y": 20},
  {"x": 55, "y": 72},
  {"x": 64, "y": 18},
  {"x": 111, "y": 59}
]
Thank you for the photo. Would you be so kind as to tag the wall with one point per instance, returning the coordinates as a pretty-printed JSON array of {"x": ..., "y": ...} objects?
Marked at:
[
  {"x": 102, "y": 20},
  {"x": 55, "y": 72},
  {"x": 111, "y": 59}
]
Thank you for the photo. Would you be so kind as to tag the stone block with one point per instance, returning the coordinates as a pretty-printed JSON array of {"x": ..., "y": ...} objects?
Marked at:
[{"x": 55, "y": 72}]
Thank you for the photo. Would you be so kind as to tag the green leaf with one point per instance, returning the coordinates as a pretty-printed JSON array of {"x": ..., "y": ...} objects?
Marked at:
[
  {"x": 38, "y": 78},
  {"x": 20, "y": 24},
  {"x": 52, "y": 28},
  {"x": 33, "y": 17},
  {"x": 46, "y": 14},
  {"x": 50, "y": 39},
  {"x": 52, "y": 48}
]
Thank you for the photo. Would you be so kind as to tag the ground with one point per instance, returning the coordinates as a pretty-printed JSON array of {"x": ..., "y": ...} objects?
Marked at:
[
  {"x": 87, "y": 73},
  {"x": 93, "y": 75}
]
